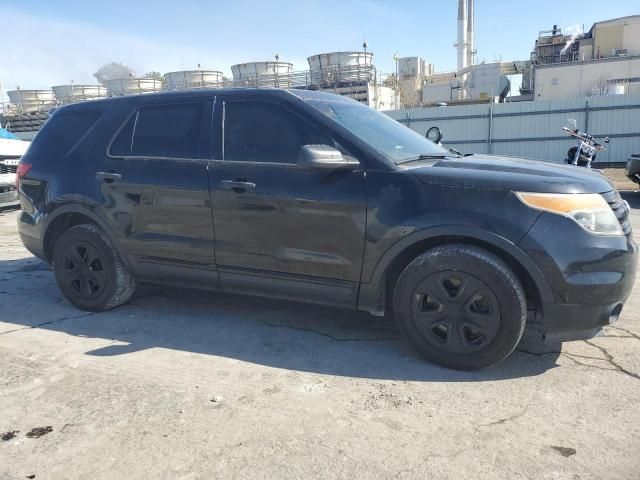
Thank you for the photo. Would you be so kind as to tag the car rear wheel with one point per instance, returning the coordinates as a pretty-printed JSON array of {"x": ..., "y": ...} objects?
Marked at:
[
  {"x": 460, "y": 306},
  {"x": 89, "y": 270}
]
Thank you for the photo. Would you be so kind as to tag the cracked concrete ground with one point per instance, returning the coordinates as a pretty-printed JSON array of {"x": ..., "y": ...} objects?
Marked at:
[{"x": 185, "y": 384}]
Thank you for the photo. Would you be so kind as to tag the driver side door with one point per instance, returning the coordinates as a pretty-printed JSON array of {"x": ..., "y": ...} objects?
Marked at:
[{"x": 283, "y": 231}]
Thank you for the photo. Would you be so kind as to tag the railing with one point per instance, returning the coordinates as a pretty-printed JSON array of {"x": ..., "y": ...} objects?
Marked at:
[
  {"x": 325, "y": 78},
  {"x": 329, "y": 78}
]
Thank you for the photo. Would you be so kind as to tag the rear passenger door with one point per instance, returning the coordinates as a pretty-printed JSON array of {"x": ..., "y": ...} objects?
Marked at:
[{"x": 155, "y": 179}]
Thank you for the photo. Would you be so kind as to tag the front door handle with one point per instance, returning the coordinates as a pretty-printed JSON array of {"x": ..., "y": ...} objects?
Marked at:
[
  {"x": 108, "y": 177},
  {"x": 237, "y": 186}
]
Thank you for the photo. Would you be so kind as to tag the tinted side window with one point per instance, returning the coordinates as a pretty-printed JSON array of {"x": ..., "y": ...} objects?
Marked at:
[
  {"x": 162, "y": 131},
  {"x": 264, "y": 132},
  {"x": 62, "y": 132}
]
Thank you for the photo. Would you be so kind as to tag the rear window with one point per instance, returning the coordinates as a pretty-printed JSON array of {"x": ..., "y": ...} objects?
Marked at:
[
  {"x": 162, "y": 131},
  {"x": 62, "y": 132}
]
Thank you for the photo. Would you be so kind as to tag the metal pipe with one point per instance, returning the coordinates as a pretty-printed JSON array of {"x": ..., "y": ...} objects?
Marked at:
[
  {"x": 526, "y": 114},
  {"x": 586, "y": 116},
  {"x": 462, "y": 34},
  {"x": 490, "y": 136},
  {"x": 20, "y": 99},
  {"x": 470, "y": 33}
]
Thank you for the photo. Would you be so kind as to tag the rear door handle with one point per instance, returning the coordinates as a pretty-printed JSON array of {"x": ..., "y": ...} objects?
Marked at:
[
  {"x": 237, "y": 186},
  {"x": 108, "y": 177}
]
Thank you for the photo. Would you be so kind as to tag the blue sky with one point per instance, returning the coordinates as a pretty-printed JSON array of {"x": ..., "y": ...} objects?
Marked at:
[{"x": 52, "y": 42}]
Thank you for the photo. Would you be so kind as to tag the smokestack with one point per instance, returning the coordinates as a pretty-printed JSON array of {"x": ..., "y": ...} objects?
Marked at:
[
  {"x": 462, "y": 34},
  {"x": 470, "y": 34}
]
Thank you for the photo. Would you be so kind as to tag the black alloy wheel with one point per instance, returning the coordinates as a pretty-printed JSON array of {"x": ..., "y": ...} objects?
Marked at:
[{"x": 460, "y": 306}]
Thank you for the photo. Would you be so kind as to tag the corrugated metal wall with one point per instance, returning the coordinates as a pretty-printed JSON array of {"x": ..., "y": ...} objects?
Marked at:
[{"x": 533, "y": 129}]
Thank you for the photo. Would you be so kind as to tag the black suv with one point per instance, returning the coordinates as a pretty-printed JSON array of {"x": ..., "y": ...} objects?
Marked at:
[{"x": 311, "y": 196}]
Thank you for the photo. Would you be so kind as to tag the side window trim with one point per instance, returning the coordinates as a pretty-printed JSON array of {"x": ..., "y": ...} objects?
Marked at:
[
  {"x": 136, "y": 112},
  {"x": 133, "y": 130},
  {"x": 215, "y": 138},
  {"x": 224, "y": 122},
  {"x": 122, "y": 126}
]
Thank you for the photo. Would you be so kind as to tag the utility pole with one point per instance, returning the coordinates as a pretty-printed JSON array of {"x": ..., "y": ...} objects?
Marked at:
[{"x": 396, "y": 58}]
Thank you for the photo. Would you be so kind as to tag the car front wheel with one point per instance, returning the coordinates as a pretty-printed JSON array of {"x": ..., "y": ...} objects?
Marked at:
[{"x": 460, "y": 306}]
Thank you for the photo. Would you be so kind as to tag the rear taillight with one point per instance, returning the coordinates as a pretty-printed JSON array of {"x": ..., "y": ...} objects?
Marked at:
[{"x": 23, "y": 169}]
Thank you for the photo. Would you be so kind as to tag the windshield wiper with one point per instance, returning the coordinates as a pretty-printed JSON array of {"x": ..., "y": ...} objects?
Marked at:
[{"x": 425, "y": 156}]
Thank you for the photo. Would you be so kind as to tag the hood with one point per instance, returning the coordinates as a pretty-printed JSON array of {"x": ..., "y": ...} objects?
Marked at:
[{"x": 510, "y": 173}]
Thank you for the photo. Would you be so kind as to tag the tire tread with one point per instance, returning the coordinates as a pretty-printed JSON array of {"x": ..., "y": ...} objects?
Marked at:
[
  {"x": 471, "y": 252},
  {"x": 124, "y": 280}
]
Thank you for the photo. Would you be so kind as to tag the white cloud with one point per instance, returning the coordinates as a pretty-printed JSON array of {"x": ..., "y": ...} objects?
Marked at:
[
  {"x": 46, "y": 51},
  {"x": 53, "y": 52}
]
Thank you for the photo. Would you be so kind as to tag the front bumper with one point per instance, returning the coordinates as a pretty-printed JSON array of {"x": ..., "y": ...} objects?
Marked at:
[
  {"x": 34, "y": 245},
  {"x": 590, "y": 276}
]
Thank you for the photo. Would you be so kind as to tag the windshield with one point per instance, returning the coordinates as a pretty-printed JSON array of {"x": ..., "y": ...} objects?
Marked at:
[{"x": 387, "y": 136}]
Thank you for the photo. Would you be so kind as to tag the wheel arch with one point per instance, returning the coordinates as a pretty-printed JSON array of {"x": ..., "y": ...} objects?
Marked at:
[
  {"x": 376, "y": 295},
  {"x": 68, "y": 216}
]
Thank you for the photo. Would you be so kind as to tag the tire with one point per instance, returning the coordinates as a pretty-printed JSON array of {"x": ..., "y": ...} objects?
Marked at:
[
  {"x": 460, "y": 307},
  {"x": 89, "y": 270}
]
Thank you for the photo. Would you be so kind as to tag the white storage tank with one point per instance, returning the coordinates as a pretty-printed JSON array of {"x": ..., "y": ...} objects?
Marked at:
[
  {"x": 118, "y": 87},
  {"x": 190, "y": 79},
  {"x": 341, "y": 68},
  {"x": 31, "y": 101},
  {"x": 77, "y": 93},
  {"x": 262, "y": 74}
]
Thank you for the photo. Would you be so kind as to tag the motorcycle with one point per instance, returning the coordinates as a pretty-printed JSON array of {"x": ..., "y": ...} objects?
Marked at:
[
  {"x": 632, "y": 170},
  {"x": 583, "y": 154}
]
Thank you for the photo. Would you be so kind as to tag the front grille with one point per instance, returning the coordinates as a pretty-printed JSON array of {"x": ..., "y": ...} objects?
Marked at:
[
  {"x": 619, "y": 207},
  {"x": 4, "y": 168},
  {"x": 8, "y": 168}
]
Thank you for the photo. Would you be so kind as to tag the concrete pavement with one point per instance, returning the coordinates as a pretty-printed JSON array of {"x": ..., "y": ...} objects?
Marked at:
[{"x": 188, "y": 385}]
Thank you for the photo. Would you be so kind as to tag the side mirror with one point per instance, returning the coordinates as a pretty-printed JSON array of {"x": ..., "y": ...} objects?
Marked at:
[
  {"x": 434, "y": 134},
  {"x": 313, "y": 157},
  {"x": 606, "y": 139}
]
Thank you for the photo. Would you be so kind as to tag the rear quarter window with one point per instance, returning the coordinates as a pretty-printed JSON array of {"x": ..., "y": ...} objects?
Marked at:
[
  {"x": 168, "y": 130},
  {"x": 62, "y": 132}
]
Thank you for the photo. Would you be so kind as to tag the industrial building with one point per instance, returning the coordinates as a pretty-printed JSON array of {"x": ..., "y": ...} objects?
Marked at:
[
  {"x": 419, "y": 84},
  {"x": 603, "y": 61}
]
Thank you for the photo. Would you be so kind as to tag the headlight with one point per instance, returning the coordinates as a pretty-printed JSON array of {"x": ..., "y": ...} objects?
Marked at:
[{"x": 589, "y": 210}]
